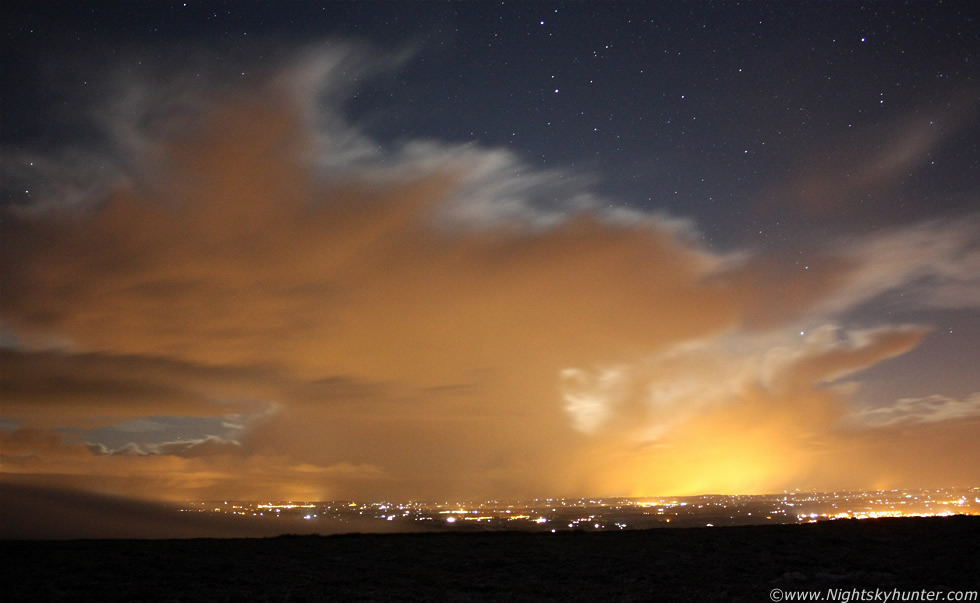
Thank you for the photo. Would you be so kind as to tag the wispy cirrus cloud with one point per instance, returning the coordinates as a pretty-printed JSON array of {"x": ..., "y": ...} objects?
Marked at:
[{"x": 929, "y": 409}]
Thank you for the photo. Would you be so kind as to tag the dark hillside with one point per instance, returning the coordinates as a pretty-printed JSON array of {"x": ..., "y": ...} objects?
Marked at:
[{"x": 740, "y": 563}]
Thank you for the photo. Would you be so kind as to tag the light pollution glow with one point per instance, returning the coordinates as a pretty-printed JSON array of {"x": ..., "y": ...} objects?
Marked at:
[{"x": 415, "y": 323}]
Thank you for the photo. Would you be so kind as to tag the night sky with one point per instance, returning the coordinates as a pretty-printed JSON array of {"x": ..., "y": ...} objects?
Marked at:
[{"x": 490, "y": 249}]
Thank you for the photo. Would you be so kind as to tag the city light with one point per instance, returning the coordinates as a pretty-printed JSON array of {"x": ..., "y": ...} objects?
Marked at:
[{"x": 611, "y": 513}]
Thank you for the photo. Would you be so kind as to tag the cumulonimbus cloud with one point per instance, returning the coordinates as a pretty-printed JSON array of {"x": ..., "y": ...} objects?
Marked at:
[{"x": 426, "y": 320}]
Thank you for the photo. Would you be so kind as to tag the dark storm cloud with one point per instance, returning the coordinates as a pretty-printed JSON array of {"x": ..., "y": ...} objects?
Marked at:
[
  {"x": 39, "y": 443},
  {"x": 64, "y": 388}
]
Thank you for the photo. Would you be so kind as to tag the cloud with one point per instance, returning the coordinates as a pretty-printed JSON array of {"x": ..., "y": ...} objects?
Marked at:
[
  {"x": 867, "y": 174},
  {"x": 87, "y": 389},
  {"x": 738, "y": 411},
  {"x": 208, "y": 446},
  {"x": 933, "y": 264},
  {"x": 671, "y": 385},
  {"x": 206, "y": 469},
  {"x": 38, "y": 444},
  {"x": 930, "y": 409},
  {"x": 425, "y": 320}
]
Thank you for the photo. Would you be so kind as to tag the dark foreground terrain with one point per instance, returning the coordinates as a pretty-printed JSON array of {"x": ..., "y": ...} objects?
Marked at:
[{"x": 739, "y": 563}]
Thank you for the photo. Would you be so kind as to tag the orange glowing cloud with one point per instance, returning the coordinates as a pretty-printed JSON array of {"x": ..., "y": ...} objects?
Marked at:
[{"x": 416, "y": 324}]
